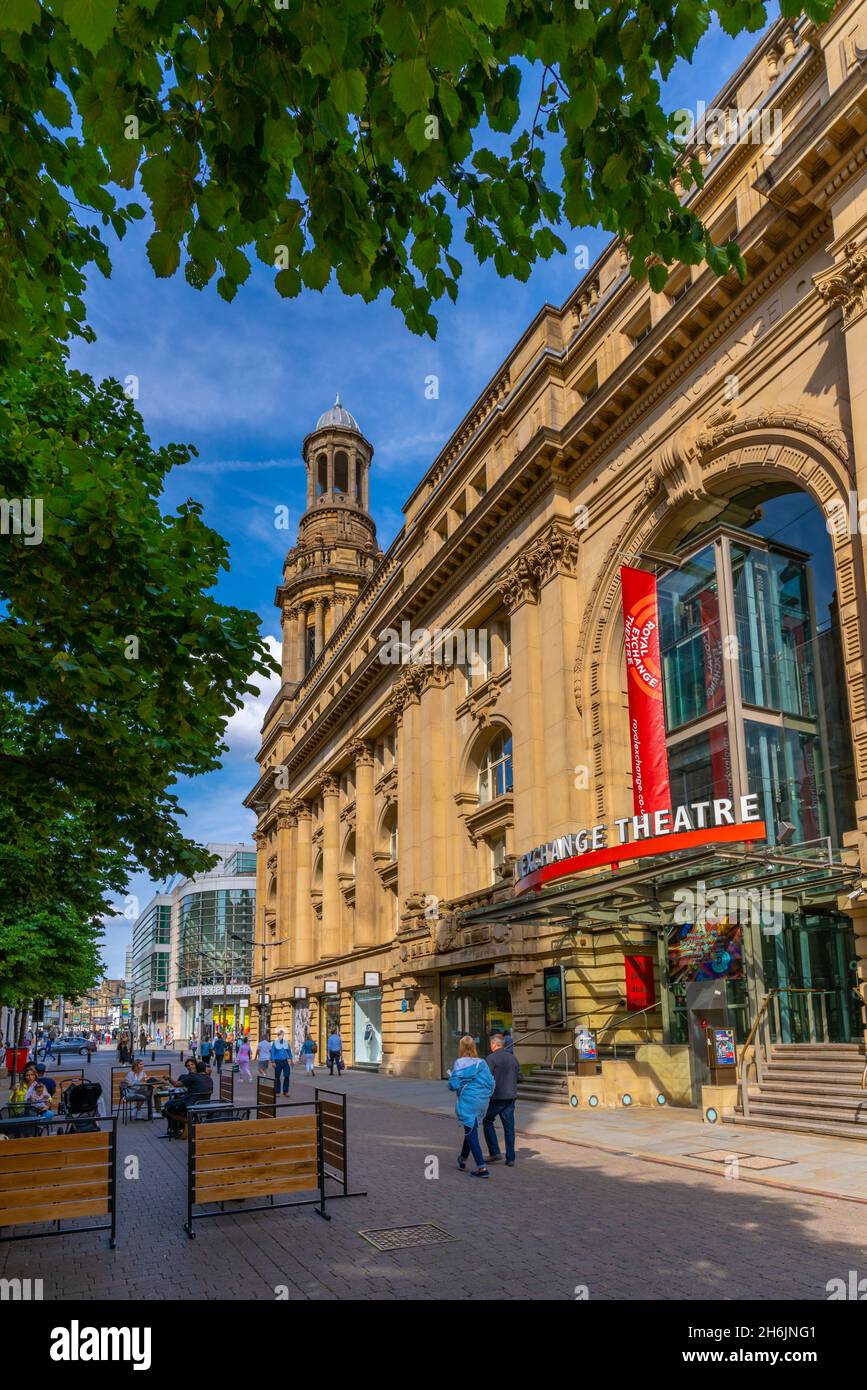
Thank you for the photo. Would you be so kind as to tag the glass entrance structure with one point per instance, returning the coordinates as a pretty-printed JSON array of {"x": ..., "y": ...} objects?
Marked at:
[
  {"x": 477, "y": 1005},
  {"x": 755, "y": 703}
]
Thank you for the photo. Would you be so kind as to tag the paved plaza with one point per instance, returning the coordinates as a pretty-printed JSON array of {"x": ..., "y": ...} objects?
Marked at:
[{"x": 568, "y": 1217}]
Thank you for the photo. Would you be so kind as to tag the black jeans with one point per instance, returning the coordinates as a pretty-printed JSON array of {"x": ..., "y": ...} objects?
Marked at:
[
  {"x": 334, "y": 1058},
  {"x": 505, "y": 1110}
]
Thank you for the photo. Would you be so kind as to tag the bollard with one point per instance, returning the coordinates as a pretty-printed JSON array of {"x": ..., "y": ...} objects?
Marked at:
[{"x": 153, "y": 1054}]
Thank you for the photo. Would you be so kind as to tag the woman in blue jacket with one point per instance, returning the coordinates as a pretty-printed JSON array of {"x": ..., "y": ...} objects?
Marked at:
[{"x": 474, "y": 1082}]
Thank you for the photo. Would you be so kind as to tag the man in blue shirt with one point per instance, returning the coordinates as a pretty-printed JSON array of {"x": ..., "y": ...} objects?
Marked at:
[{"x": 281, "y": 1056}]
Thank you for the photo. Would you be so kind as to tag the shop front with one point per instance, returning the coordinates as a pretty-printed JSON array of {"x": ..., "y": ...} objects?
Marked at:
[
  {"x": 476, "y": 1004},
  {"x": 329, "y": 1019},
  {"x": 367, "y": 1027}
]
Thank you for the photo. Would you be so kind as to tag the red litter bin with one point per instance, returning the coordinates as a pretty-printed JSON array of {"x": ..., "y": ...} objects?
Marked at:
[{"x": 21, "y": 1063}]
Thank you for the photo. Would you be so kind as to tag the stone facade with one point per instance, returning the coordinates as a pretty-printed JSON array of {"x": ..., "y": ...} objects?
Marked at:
[{"x": 617, "y": 425}]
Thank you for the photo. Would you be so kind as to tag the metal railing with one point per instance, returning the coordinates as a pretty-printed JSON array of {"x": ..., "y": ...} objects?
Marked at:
[
  {"x": 570, "y": 1019},
  {"x": 615, "y": 1024},
  {"x": 759, "y": 1038}
]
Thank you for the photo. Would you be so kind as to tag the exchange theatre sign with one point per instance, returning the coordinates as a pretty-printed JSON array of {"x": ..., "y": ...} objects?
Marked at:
[{"x": 640, "y": 836}]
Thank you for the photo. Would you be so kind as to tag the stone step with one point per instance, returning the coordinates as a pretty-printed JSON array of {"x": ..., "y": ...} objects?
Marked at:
[
  {"x": 821, "y": 1075},
  {"x": 829, "y": 1110},
  {"x": 839, "y": 1130},
  {"x": 809, "y": 1089},
  {"x": 802, "y": 1049}
]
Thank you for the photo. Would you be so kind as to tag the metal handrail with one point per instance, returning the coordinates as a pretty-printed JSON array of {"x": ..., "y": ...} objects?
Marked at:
[
  {"x": 547, "y": 1027},
  {"x": 619, "y": 1024},
  {"x": 741, "y": 1078},
  {"x": 637, "y": 1014}
]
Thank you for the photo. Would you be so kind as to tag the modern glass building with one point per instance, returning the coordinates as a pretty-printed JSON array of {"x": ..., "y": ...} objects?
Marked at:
[
  {"x": 193, "y": 949},
  {"x": 148, "y": 983}
]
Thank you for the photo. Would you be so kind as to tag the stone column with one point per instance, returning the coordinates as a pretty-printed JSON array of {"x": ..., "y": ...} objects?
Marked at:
[
  {"x": 286, "y": 823},
  {"x": 319, "y": 619},
  {"x": 528, "y": 758},
  {"x": 330, "y": 869},
  {"x": 557, "y": 555},
  {"x": 261, "y": 843},
  {"x": 435, "y": 783},
  {"x": 365, "y": 873},
  {"x": 406, "y": 706},
  {"x": 301, "y": 638},
  {"x": 303, "y": 933}
]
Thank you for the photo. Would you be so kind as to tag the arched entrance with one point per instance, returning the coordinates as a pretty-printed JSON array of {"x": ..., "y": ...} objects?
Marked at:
[{"x": 763, "y": 672}]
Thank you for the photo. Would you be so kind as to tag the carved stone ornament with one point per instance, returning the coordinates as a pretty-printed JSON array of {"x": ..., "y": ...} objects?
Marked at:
[
  {"x": 677, "y": 464},
  {"x": 846, "y": 283},
  {"x": 554, "y": 552},
  {"x": 360, "y": 752}
]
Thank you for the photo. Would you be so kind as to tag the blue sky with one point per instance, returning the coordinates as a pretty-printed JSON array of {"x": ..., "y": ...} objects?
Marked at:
[{"x": 246, "y": 381}]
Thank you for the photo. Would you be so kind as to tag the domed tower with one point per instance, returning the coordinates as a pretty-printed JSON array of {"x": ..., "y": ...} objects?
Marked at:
[{"x": 336, "y": 550}]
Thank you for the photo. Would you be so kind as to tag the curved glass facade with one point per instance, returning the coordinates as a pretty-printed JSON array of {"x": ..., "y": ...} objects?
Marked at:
[{"x": 215, "y": 937}]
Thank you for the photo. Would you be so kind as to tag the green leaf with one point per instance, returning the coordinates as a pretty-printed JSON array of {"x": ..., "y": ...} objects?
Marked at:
[
  {"x": 55, "y": 108},
  {"x": 89, "y": 21},
  {"x": 348, "y": 91},
  {"x": 411, "y": 85},
  {"x": 315, "y": 269},
  {"x": 583, "y": 105},
  {"x": 164, "y": 253},
  {"x": 19, "y": 15}
]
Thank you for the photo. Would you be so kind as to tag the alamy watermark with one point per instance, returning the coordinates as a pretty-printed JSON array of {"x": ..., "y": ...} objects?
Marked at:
[
  {"x": 720, "y": 128},
  {"x": 423, "y": 646},
  {"x": 22, "y": 516},
  {"x": 736, "y": 906}
]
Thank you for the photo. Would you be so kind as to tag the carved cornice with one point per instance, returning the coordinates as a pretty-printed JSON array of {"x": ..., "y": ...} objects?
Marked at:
[
  {"x": 554, "y": 552},
  {"x": 360, "y": 752},
  {"x": 846, "y": 283}
]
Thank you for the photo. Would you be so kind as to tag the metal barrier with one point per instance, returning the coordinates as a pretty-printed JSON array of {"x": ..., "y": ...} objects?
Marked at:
[
  {"x": 60, "y": 1176},
  {"x": 239, "y": 1159}
]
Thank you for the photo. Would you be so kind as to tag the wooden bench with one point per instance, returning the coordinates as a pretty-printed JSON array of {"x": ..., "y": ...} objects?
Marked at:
[
  {"x": 57, "y": 1177},
  {"x": 118, "y": 1080}
]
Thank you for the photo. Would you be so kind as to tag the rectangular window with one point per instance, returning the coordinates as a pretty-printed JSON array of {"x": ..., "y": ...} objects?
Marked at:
[
  {"x": 784, "y": 768},
  {"x": 690, "y": 641},
  {"x": 774, "y": 632}
]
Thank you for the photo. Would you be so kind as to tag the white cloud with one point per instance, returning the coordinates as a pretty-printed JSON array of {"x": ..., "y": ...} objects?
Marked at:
[{"x": 243, "y": 731}]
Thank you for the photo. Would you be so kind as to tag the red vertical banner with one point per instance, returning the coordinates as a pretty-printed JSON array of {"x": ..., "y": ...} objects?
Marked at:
[{"x": 650, "y": 789}]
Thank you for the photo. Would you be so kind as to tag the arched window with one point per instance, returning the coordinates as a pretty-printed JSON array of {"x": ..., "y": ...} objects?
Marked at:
[
  {"x": 495, "y": 772},
  {"x": 341, "y": 472},
  {"x": 321, "y": 474}
]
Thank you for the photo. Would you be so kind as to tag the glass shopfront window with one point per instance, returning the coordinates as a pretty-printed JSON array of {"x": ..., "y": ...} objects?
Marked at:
[
  {"x": 784, "y": 767},
  {"x": 690, "y": 641},
  {"x": 700, "y": 768},
  {"x": 367, "y": 1026},
  {"x": 774, "y": 631},
  {"x": 329, "y": 1019}
]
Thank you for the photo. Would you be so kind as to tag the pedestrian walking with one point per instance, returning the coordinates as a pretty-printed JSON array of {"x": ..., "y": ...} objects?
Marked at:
[
  {"x": 474, "y": 1082},
  {"x": 263, "y": 1056},
  {"x": 206, "y": 1051},
  {"x": 245, "y": 1054},
  {"x": 308, "y": 1052},
  {"x": 281, "y": 1055},
  {"x": 220, "y": 1046},
  {"x": 506, "y": 1071},
  {"x": 194, "y": 1042},
  {"x": 335, "y": 1052}
]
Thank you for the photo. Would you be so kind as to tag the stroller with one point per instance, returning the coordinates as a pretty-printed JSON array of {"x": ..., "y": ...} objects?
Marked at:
[{"x": 80, "y": 1104}]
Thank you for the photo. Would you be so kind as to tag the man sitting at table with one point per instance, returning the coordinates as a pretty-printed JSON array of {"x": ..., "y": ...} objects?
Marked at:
[{"x": 197, "y": 1086}]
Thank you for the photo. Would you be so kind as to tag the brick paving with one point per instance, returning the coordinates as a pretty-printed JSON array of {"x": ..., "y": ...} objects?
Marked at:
[{"x": 561, "y": 1219}]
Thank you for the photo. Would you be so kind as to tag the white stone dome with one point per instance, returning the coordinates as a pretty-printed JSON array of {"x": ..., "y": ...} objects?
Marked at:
[{"x": 339, "y": 417}]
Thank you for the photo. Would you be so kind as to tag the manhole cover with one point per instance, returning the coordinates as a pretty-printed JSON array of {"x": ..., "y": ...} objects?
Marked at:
[{"x": 407, "y": 1237}]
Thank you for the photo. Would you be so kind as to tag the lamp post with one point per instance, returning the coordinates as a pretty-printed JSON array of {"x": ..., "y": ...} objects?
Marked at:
[{"x": 264, "y": 945}]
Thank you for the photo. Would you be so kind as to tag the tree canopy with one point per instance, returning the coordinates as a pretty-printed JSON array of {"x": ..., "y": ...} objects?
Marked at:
[
  {"x": 119, "y": 667},
  {"x": 341, "y": 140}
]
